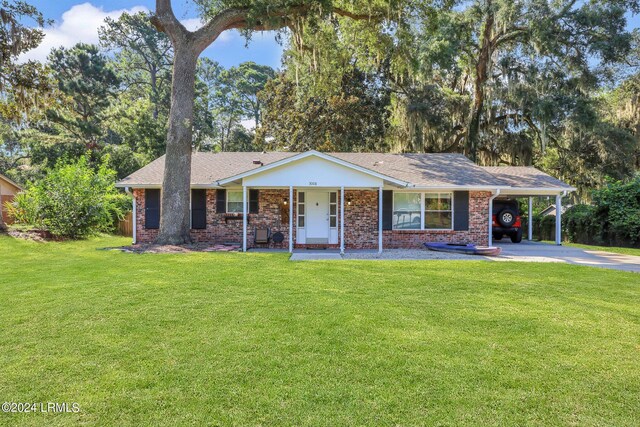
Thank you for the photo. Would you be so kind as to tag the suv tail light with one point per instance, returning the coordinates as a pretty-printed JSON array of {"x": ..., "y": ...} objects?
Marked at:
[
  {"x": 493, "y": 220},
  {"x": 518, "y": 223}
]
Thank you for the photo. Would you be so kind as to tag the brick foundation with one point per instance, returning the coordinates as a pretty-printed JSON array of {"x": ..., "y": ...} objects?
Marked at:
[{"x": 360, "y": 231}]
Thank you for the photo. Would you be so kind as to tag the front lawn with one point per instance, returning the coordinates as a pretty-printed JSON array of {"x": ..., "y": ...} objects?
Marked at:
[{"x": 253, "y": 339}]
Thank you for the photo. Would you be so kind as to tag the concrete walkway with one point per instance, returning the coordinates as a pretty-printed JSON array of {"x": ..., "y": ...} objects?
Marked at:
[
  {"x": 545, "y": 252},
  {"x": 523, "y": 252},
  {"x": 315, "y": 256}
]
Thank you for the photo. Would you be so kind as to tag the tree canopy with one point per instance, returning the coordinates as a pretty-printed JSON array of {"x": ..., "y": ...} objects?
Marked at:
[{"x": 552, "y": 84}]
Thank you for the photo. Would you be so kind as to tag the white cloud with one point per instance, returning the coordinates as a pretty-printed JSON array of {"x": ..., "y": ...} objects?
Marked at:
[
  {"x": 81, "y": 23},
  {"x": 249, "y": 124},
  {"x": 78, "y": 24}
]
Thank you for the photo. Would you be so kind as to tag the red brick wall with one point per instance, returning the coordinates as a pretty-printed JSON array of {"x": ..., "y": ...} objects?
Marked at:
[
  {"x": 361, "y": 219},
  {"x": 478, "y": 232},
  {"x": 221, "y": 229},
  {"x": 361, "y": 223},
  {"x": 5, "y": 218}
]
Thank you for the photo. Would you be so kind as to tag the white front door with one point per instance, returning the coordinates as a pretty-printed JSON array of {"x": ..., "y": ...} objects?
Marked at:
[{"x": 317, "y": 226}]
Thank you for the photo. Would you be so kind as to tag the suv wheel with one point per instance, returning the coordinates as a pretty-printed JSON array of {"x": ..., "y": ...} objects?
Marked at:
[
  {"x": 507, "y": 217},
  {"x": 517, "y": 237}
]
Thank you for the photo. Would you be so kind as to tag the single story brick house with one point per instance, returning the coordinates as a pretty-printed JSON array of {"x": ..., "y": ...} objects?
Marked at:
[
  {"x": 8, "y": 190},
  {"x": 336, "y": 200}
]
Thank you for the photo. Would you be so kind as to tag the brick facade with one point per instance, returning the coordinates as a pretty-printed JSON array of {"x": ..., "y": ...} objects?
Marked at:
[
  {"x": 361, "y": 222},
  {"x": 478, "y": 232}
]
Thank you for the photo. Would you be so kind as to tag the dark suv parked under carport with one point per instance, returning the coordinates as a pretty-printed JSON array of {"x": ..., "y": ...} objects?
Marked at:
[{"x": 506, "y": 220}]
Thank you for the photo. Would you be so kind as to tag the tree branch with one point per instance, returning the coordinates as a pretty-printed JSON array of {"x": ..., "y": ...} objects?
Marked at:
[{"x": 166, "y": 22}]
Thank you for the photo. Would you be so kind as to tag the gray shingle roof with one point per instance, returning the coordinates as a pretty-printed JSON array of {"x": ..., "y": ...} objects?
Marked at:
[
  {"x": 526, "y": 177},
  {"x": 421, "y": 170}
]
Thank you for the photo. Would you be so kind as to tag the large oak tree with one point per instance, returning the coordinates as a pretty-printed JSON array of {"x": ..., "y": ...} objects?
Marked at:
[{"x": 221, "y": 15}]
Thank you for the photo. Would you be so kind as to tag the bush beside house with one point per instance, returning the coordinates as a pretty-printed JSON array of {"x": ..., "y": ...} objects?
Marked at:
[
  {"x": 613, "y": 219},
  {"x": 73, "y": 200}
]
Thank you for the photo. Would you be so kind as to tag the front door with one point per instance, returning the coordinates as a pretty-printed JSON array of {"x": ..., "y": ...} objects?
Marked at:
[{"x": 317, "y": 205}]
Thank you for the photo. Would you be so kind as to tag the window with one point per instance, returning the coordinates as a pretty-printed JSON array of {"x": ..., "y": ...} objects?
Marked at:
[
  {"x": 438, "y": 211},
  {"x": 234, "y": 201},
  {"x": 333, "y": 210},
  {"x": 407, "y": 211},
  {"x": 300, "y": 210}
]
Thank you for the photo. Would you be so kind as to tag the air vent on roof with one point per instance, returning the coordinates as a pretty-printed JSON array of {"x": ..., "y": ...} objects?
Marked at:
[
  {"x": 257, "y": 162},
  {"x": 378, "y": 163}
]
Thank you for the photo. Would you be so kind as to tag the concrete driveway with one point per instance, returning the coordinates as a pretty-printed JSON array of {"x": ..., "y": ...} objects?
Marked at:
[{"x": 545, "y": 252}]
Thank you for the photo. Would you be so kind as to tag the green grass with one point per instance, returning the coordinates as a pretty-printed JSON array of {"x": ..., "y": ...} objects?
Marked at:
[
  {"x": 614, "y": 249},
  {"x": 253, "y": 339}
]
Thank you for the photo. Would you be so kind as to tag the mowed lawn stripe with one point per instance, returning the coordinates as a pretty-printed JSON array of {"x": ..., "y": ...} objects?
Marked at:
[{"x": 253, "y": 339}]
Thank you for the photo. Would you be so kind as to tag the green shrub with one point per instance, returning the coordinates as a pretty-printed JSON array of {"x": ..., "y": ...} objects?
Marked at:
[
  {"x": 613, "y": 218},
  {"x": 73, "y": 201},
  {"x": 579, "y": 225}
]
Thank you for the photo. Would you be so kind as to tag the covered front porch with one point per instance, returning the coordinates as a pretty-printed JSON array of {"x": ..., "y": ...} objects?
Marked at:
[
  {"x": 331, "y": 219},
  {"x": 330, "y": 203}
]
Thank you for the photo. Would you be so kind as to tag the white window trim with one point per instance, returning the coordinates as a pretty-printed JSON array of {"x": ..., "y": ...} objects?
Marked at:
[
  {"x": 423, "y": 211},
  {"x": 227, "y": 201}
]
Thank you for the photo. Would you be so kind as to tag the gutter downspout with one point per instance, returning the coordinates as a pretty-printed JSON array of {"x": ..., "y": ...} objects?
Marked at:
[
  {"x": 133, "y": 214},
  {"x": 497, "y": 193}
]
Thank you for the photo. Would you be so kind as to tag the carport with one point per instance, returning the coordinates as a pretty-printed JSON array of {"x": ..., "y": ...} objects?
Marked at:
[{"x": 527, "y": 181}]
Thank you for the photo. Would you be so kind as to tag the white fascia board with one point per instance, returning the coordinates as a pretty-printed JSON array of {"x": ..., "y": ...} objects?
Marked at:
[
  {"x": 152, "y": 186},
  {"x": 542, "y": 191},
  {"x": 316, "y": 154},
  {"x": 457, "y": 187}
]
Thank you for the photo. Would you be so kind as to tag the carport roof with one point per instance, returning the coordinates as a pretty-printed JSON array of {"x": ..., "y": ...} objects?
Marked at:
[{"x": 527, "y": 178}]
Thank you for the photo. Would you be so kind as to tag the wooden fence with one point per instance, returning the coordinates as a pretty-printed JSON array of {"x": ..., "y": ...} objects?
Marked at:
[{"x": 125, "y": 226}]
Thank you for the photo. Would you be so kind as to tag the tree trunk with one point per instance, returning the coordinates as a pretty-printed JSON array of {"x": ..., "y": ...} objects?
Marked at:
[
  {"x": 176, "y": 188},
  {"x": 482, "y": 76}
]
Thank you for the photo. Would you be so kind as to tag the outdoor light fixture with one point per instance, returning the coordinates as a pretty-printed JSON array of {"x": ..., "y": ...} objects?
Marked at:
[
  {"x": 286, "y": 200},
  {"x": 348, "y": 202}
]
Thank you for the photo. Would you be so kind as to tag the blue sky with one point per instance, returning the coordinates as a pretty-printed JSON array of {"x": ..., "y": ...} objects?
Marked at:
[{"x": 76, "y": 21}]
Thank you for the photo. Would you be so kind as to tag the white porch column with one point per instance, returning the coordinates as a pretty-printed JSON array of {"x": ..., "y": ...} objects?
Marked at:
[
  {"x": 558, "y": 219},
  {"x": 134, "y": 217},
  {"x": 244, "y": 218},
  {"x": 530, "y": 220},
  {"x": 493, "y": 196},
  {"x": 291, "y": 219},
  {"x": 380, "y": 220},
  {"x": 342, "y": 220}
]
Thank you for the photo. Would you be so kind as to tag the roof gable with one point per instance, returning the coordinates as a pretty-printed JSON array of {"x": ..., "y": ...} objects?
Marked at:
[
  {"x": 10, "y": 182},
  {"x": 330, "y": 159}
]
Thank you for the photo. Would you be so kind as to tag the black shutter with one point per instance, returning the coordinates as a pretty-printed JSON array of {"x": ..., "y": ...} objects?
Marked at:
[
  {"x": 221, "y": 201},
  {"x": 460, "y": 210},
  {"x": 151, "y": 209},
  {"x": 198, "y": 209},
  {"x": 254, "y": 196},
  {"x": 387, "y": 209}
]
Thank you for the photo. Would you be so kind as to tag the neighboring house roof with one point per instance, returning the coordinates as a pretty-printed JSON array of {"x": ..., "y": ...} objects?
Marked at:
[
  {"x": 551, "y": 210},
  {"x": 526, "y": 177},
  {"x": 8, "y": 181},
  {"x": 419, "y": 170}
]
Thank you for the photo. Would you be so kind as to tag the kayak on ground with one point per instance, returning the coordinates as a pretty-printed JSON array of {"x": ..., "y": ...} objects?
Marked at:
[{"x": 461, "y": 248}]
